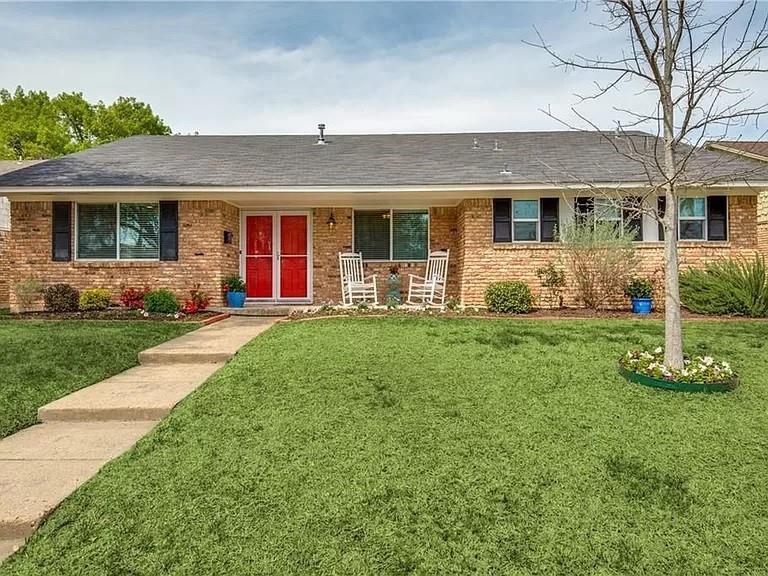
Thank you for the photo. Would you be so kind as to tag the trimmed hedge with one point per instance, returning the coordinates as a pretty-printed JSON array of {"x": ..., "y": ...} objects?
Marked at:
[
  {"x": 61, "y": 298},
  {"x": 509, "y": 297},
  {"x": 94, "y": 299},
  {"x": 161, "y": 302}
]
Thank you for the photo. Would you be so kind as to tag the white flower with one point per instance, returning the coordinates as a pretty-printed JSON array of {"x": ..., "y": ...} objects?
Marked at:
[
  {"x": 658, "y": 350},
  {"x": 707, "y": 360},
  {"x": 176, "y": 315}
]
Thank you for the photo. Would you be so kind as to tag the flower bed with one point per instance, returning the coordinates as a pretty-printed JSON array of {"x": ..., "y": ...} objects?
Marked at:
[
  {"x": 699, "y": 374},
  {"x": 115, "y": 313}
]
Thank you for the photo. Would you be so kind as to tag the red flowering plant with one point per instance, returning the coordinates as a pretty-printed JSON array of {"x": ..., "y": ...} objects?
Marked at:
[
  {"x": 197, "y": 302},
  {"x": 133, "y": 298}
]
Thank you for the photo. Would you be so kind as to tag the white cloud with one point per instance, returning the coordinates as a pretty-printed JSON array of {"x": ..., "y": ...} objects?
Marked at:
[{"x": 209, "y": 78}]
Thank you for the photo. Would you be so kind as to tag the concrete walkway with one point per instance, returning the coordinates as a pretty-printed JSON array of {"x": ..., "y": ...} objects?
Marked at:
[{"x": 42, "y": 465}]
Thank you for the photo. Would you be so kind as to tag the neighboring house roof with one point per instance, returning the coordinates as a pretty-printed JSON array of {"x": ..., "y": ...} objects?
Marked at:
[
  {"x": 757, "y": 149},
  {"x": 5, "y": 207},
  {"x": 367, "y": 160}
]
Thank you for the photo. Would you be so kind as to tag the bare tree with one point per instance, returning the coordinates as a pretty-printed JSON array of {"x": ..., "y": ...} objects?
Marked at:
[{"x": 692, "y": 63}]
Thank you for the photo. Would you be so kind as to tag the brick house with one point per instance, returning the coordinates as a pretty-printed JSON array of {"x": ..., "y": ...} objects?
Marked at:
[
  {"x": 176, "y": 211},
  {"x": 5, "y": 229}
]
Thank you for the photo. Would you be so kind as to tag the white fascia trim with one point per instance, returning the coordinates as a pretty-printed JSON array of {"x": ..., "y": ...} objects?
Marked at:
[{"x": 19, "y": 192}]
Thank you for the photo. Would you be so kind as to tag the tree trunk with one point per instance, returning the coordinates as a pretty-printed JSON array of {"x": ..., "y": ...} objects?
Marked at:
[{"x": 673, "y": 324}]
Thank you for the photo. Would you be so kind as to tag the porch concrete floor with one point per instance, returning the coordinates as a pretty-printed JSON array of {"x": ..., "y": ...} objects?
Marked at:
[{"x": 42, "y": 465}]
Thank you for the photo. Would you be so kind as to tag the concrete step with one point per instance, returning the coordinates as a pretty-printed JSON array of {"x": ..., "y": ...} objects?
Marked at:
[
  {"x": 212, "y": 344},
  {"x": 265, "y": 310},
  {"x": 141, "y": 393},
  {"x": 9, "y": 546}
]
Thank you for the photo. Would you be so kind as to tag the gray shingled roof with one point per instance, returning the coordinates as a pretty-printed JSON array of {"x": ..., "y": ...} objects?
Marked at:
[{"x": 360, "y": 160}]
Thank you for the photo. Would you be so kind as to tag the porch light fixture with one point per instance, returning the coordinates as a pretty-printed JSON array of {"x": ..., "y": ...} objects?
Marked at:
[{"x": 331, "y": 221}]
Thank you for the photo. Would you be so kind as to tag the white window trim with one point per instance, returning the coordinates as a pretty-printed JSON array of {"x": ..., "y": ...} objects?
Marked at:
[
  {"x": 117, "y": 235},
  {"x": 704, "y": 219},
  {"x": 537, "y": 220},
  {"x": 391, "y": 235}
]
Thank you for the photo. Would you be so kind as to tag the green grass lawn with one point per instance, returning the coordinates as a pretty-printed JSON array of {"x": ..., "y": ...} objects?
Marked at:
[
  {"x": 436, "y": 446},
  {"x": 41, "y": 361}
]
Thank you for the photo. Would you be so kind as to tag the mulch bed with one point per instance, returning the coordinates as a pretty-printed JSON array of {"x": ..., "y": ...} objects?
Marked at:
[
  {"x": 112, "y": 314},
  {"x": 542, "y": 314}
]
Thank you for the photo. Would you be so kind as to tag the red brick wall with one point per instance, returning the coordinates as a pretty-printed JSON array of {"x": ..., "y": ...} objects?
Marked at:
[
  {"x": 328, "y": 243},
  {"x": 4, "y": 268},
  {"x": 484, "y": 262},
  {"x": 466, "y": 230},
  {"x": 203, "y": 256}
]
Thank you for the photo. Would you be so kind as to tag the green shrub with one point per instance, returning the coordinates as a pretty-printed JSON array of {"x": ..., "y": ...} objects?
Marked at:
[
  {"x": 61, "y": 298},
  {"x": 94, "y": 299},
  {"x": 601, "y": 260},
  {"x": 233, "y": 284},
  {"x": 161, "y": 302},
  {"x": 27, "y": 293},
  {"x": 639, "y": 288},
  {"x": 509, "y": 297},
  {"x": 727, "y": 287}
]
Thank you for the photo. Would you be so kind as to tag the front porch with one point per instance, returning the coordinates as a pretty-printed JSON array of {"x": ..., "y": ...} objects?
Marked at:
[{"x": 289, "y": 256}]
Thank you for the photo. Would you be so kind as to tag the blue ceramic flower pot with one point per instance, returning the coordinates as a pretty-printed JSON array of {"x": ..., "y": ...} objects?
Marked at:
[
  {"x": 642, "y": 305},
  {"x": 235, "y": 299}
]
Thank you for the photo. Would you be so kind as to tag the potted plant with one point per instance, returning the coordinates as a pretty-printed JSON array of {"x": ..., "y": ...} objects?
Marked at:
[
  {"x": 234, "y": 289},
  {"x": 640, "y": 291},
  {"x": 393, "y": 286}
]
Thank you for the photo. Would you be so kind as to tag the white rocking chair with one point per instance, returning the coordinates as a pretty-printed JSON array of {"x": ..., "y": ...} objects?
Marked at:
[
  {"x": 355, "y": 287},
  {"x": 430, "y": 290}
]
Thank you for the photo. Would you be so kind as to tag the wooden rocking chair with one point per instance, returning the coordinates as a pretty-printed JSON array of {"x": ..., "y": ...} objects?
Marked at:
[
  {"x": 355, "y": 287},
  {"x": 430, "y": 290}
]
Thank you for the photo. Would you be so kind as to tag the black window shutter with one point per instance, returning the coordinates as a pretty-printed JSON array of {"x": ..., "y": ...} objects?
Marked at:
[
  {"x": 549, "y": 208},
  {"x": 169, "y": 230},
  {"x": 717, "y": 218},
  {"x": 661, "y": 209},
  {"x": 61, "y": 232},
  {"x": 633, "y": 217},
  {"x": 502, "y": 220},
  {"x": 584, "y": 206}
]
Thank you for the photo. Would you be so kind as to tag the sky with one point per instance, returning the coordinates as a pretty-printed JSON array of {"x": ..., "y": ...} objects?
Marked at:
[{"x": 270, "y": 68}]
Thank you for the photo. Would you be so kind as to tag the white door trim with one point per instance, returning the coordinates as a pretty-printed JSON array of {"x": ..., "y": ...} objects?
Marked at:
[{"x": 276, "y": 252}]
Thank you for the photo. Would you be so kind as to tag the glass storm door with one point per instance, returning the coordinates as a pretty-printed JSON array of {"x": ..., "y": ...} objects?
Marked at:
[
  {"x": 277, "y": 256},
  {"x": 259, "y": 257},
  {"x": 293, "y": 256}
]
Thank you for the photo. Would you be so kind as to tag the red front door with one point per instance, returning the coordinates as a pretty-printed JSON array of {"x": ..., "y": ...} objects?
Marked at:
[
  {"x": 293, "y": 256},
  {"x": 276, "y": 267},
  {"x": 259, "y": 257}
]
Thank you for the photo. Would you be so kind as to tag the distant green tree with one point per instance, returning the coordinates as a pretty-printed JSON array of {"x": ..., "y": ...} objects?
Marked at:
[
  {"x": 125, "y": 117},
  {"x": 34, "y": 125}
]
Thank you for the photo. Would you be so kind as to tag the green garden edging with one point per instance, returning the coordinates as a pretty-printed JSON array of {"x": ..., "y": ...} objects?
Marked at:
[{"x": 707, "y": 388}]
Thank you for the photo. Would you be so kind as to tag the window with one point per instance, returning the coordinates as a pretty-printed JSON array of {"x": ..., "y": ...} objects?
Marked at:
[
  {"x": 525, "y": 220},
  {"x": 118, "y": 231},
  {"x": 525, "y": 223},
  {"x": 625, "y": 213},
  {"x": 392, "y": 234},
  {"x": 692, "y": 218}
]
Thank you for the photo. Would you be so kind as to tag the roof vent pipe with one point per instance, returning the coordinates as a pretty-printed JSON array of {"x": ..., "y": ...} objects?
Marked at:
[{"x": 321, "y": 136}]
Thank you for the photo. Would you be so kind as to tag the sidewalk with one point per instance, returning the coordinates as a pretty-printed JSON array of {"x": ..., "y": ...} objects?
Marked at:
[{"x": 42, "y": 465}]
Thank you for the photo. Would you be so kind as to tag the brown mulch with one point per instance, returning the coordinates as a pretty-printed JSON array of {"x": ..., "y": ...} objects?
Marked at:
[
  {"x": 541, "y": 314},
  {"x": 109, "y": 314}
]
